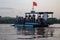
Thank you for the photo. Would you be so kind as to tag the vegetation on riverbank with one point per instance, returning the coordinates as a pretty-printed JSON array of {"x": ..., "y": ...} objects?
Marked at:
[
  {"x": 11, "y": 20},
  {"x": 7, "y": 20}
]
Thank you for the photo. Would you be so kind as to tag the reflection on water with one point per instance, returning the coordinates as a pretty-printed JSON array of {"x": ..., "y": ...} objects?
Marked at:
[{"x": 8, "y": 32}]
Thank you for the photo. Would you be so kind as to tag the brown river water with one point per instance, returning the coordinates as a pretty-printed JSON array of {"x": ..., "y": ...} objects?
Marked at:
[{"x": 8, "y": 32}]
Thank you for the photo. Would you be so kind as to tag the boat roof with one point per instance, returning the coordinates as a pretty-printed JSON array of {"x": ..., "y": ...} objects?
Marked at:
[{"x": 32, "y": 12}]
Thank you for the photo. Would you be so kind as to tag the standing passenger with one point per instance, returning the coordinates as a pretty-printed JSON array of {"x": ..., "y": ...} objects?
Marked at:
[
  {"x": 26, "y": 18},
  {"x": 34, "y": 18}
]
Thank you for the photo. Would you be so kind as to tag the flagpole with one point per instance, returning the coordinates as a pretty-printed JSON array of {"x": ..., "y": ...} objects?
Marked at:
[{"x": 32, "y": 8}]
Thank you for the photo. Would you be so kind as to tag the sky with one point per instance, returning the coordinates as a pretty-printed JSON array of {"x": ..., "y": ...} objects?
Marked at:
[{"x": 19, "y": 7}]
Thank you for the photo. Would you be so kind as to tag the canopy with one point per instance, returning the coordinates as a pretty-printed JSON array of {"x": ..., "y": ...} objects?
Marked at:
[{"x": 39, "y": 12}]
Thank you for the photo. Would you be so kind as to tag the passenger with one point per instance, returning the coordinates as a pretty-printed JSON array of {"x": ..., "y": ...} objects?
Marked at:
[
  {"x": 26, "y": 18},
  {"x": 29, "y": 18},
  {"x": 33, "y": 18},
  {"x": 39, "y": 20},
  {"x": 33, "y": 15},
  {"x": 16, "y": 22},
  {"x": 19, "y": 20},
  {"x": 29, "y": 15}
]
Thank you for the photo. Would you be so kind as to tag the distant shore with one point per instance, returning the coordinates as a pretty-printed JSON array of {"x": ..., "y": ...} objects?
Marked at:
[{"x": 11, "y": 20}]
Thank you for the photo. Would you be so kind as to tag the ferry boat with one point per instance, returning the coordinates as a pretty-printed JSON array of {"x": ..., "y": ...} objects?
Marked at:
[{"x": 35, "y": 19}]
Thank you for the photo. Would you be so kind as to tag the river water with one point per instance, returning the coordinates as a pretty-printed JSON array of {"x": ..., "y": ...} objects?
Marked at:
[{"x": 8, "y": 32}]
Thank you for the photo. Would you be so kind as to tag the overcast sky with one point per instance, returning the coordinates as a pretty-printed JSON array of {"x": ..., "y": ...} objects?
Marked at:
[{"x": 19, "y": 7}]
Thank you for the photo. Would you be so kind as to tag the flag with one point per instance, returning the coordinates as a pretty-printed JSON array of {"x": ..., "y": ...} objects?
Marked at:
[{"x": 34, "y": 4}]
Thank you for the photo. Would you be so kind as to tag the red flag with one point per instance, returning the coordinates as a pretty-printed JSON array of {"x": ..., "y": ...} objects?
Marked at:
[{"x": 34, "y": 4}]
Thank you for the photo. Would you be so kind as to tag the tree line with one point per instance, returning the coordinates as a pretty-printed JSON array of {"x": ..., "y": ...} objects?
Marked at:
[
  {"x": 11, "y": 20},
  {"x": 7, "y": 20}
]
